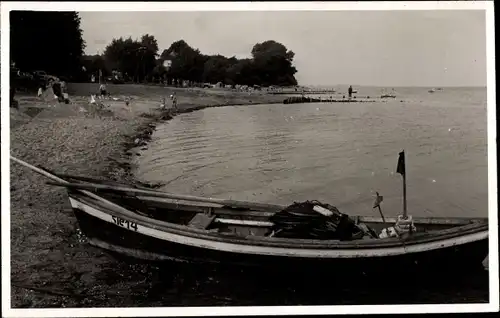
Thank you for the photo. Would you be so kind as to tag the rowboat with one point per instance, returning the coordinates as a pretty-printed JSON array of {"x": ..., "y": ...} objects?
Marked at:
[
  {"x": 158, "y": 226},
  {"x": 388, "y": 96}
]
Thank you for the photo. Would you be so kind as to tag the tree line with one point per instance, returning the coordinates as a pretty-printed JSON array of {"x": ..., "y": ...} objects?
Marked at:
[
  {"x": 60, "y": 51},
  {"x": 46, "y": 41},
  {"x": 139, "y": 60}
]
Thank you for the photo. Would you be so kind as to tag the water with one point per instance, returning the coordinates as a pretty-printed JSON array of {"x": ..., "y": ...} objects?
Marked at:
[
  {"x": 337, "y": 153},
  {"x": 332, "y": 152}
]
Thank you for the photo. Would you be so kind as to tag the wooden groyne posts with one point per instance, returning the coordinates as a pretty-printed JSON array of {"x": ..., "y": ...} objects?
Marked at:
[
  {"x": 310, "y": 92},
  {"x": 304, "y": 99}
]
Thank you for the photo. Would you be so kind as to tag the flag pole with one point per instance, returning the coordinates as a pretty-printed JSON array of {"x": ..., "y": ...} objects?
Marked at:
[
  {"x": 405, "y": 212},
  {"x": 401, "y": 169}
]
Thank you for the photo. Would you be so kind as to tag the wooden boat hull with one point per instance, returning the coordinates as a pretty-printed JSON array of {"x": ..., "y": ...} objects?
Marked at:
[
  {"x": 136, "y": 222},
  {"x": 115, "y": 234}
]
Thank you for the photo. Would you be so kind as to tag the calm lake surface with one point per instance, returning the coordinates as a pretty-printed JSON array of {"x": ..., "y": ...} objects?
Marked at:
[
  {"x": 333, "y": 152},
  {"x": 336, "y": 153}
]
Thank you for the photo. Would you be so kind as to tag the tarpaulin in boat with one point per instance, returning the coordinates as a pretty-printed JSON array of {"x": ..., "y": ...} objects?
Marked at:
[{"x": 301, "y": 221}]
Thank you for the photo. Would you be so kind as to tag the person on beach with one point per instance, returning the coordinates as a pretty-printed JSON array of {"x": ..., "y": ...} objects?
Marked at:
[
  {"x": 350, "y": 91},
  {"x": 127, "y": 103},
  {"x": 13, "y": 102},
  {"x": 42, "y": 86},
  {"x": 174, "y": 101},
  {"x": 40, "y": 91},
  {"x": 64, "y": 89},
  {"x": 102, "y": 90},
  {"x": 63, "y": 86},
  {"x": 57, "y": 89}
]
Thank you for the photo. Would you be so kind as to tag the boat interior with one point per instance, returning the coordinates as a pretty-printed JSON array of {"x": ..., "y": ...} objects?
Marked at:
[{"x": 245, "y": 221}]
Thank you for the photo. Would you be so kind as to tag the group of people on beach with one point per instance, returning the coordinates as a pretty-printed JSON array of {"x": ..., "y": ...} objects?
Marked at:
[
  {"x": 173, "y": 97},
  {"x": 59, "y": 88},
  {"x": 103, "y": 93}
]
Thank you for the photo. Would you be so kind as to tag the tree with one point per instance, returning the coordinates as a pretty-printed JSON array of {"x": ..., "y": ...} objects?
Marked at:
[
  {"x": 94, "y": 63},
  {"x": 158, "y": 73},
  {"x": 242, "y": 72},
  {"x": 270, "y": 48},
  {"x": 149, "y": 55},
  {"x": 133, "y": 57},
  {"x": 187, "y": 62},
  {"x": 49, "y": 41},
  {"x": 122, "y": 54},
  {"x": 273, "y": 63},
  {"x": 215, "y": 68}
]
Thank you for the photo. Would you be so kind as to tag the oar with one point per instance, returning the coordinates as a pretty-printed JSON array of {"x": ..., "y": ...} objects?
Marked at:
[
  {"x": 61, "y": 182},
  {"x": 38, "y": 170},
  {"x": 152, "y": 193},
  {"x": 57, "y": 179}
]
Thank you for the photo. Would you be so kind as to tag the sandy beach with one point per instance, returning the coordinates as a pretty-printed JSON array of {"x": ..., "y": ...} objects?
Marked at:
[{"x": 50, "y": 264}]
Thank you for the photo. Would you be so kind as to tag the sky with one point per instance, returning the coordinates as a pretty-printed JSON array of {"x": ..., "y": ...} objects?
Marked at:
[{"x": 376, "y": 48}]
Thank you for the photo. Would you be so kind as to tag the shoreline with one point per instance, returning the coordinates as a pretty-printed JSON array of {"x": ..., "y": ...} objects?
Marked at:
[
  {"x": 51, "y": 265},
  {"x": 142, "y": 136}
]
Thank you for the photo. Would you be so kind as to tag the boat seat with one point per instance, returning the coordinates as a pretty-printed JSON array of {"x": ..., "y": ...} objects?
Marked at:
[{"x": 201, "y": 221}]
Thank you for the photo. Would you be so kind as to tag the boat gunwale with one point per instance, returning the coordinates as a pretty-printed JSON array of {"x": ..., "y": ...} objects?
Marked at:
[
  {"x": 454, "y": 232},
  {"x": 225, "y": 210},
  {"x": 258, "y": 212},
  {"x": 275, "y": 207}
]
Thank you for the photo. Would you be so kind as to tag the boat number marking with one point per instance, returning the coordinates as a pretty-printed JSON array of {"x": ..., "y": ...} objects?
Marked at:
[{"x": 125, "y": 223}]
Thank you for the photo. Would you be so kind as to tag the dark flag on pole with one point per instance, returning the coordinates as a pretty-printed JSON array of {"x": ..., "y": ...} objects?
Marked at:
[
  {"x": 402, "y": 170},
  {"x": 401, "y": 163}
]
